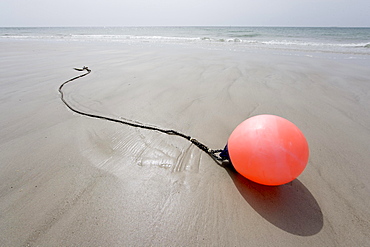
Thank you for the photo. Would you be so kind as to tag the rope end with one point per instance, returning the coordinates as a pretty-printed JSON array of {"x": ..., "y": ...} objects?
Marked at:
[{"x": 84, "y": 68}]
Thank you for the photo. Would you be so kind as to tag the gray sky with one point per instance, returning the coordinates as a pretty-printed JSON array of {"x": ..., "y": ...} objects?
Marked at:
[{"x": 185, "y": 13}]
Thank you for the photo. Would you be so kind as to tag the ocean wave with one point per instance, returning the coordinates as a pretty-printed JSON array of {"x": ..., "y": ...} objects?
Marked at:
[
  {"x": 246, "y": 35},
  {"x": 12, "y": 36},
  {"x": 234, "y": 40},
  {"x": 314, "y": 44},
  {"x": 175, "y": 39},
  {"x": 222, "y": 40}
]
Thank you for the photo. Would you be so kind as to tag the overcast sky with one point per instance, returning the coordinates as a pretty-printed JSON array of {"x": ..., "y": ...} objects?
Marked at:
[{"x": 340, "y": 13}]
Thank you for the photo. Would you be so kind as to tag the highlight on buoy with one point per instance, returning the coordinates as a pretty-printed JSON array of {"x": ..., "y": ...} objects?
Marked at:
[{"x": 268, "y": 149}]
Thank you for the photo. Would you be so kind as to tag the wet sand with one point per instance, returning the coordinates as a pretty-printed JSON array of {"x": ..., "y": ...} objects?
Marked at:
[{"x": 69, "y": 180}]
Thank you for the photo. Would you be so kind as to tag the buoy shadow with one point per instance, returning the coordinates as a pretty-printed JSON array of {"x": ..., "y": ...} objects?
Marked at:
[{"x": 290, "y": 207}]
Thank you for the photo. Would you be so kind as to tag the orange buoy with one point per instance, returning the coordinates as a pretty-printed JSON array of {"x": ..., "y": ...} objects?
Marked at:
[{"x": 268, "y": 149}]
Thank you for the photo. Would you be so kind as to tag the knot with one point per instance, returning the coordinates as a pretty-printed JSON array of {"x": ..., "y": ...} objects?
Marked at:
[{"x": 86, "y": 68}]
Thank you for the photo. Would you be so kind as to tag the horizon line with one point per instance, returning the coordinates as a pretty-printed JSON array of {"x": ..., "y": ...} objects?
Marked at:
[{"x": 113, "y": 26}]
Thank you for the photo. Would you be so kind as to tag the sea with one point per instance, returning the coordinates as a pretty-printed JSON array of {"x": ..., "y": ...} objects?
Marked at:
[{"x": 330, "y": 42}]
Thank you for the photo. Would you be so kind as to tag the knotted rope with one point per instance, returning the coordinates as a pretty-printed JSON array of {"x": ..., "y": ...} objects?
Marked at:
[{"x": 211, "y": 152}]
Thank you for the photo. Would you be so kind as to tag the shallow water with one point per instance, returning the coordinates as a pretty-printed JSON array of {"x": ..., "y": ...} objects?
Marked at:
[{"x": 331, "y": 42}]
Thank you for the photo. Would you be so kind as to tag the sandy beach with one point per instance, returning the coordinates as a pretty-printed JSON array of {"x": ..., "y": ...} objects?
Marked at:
[{"x": 70, "y": 180}]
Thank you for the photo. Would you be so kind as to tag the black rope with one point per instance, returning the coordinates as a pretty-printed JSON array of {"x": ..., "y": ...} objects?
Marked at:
[{"x": 200, "y": 145}]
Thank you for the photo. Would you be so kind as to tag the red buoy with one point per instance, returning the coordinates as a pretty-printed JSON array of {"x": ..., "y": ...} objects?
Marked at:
[{"x": 268, "y": 149}]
